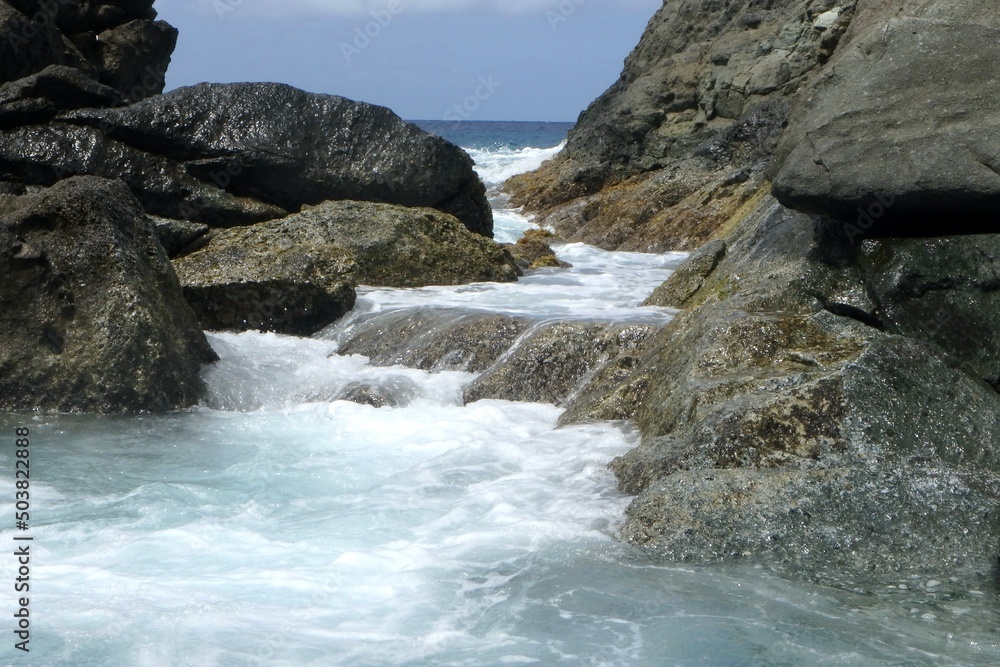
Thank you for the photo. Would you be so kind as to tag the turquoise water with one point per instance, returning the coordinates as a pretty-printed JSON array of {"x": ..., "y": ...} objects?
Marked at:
[{"x": 277, "y": 525}]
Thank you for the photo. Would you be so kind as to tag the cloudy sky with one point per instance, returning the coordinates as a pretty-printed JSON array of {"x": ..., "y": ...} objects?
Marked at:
[{"x": 426, "y": 59}]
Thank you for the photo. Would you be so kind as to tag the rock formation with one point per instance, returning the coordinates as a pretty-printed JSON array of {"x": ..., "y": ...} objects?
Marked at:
[
  {"x": 826, "y": 399},
  {"x": 93, "y": 315}
]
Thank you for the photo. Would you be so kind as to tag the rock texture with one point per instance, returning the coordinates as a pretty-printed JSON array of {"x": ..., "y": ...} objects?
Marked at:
[
  {"x": 681, "y": 141},
  {"x": 94, "y": 319},
  {"x": 287, "y": 147},
  {"x": 397, "y": 246},
  {"x": 901, "y": 132},
  {"x": 269, "y": 277}
]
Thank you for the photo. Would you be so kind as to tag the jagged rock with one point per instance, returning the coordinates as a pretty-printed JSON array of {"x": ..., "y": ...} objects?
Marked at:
[
  {"x": 134, "y": 57},
  {"x": 678, "y": 289},
  {"x": 901, "y": 133},
  {"x": 433, "y": 339},
  {"x": 395, "y": 246},
  {"x": 56, "y": 88},
  {"x": 678, "y": 145},
  {"x": 44, "y": 154},
  {"x": 288, "y": 148},
  {"x": 549, "y": 364},
  {"x": 270, "y": 277},
  {"x": 94, "y": 319}
]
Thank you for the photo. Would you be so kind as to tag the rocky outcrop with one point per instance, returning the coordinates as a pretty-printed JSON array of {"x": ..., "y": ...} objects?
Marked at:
[
  {"x": 269, "y": 277},
  {"x": 532, "y": 251},
  {"x": 118, "y": 44},
  {"x": 94, "y": 319},
  {"x": 801, "y": 412},
  {"x": 288, "y": 148},
  {"x": 680, "y": 142},
  {"x": 901, "y": 132}
]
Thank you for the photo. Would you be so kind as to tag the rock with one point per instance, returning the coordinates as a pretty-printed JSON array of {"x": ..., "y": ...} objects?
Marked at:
[
  {"x": 550, "y": 363},
  {"x": 134, "y": 57},
  {"x": 396, "y": 246},
  {"x": 689, "y": 277},
  {"x": 26, "y": 47},
  {"x": 678, "y": 145},
  {"x": 432, "y": 339},
  {"x": 900, "y": 135},
  {"x": 44, "y": 154},
  {"x": 56, "y": 88},
  {"x": 288, "y": 148},
  {"x": 270, "y": 277},
  {"x": 94, "y": 316},
  {"x": 177, "y": 236},
  {"x": 798, "y": 382},
  {"x": 532, "y": 251}
]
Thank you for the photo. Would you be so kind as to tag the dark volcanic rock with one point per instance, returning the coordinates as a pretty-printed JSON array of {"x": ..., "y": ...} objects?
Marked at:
[
  {"x": 94, "y": 319},
  {"x": 26, "y": 48},
  {"x": 44, "y": 154},
  {"x": 902, "y": 122},
  {"x": 134, "y": 57},
  {"x": 689, "y": 277},
  {"x": 56, "y": 88},
  {"x": 288, "y": 147},
  {"x": 269, "y": 277}
]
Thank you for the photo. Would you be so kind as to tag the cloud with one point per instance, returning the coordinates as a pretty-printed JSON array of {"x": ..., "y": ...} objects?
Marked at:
[{"x": 355, "y": 8}]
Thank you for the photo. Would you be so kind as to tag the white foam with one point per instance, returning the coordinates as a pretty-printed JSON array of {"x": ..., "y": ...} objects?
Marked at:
[{"x": 496, "y": 166}]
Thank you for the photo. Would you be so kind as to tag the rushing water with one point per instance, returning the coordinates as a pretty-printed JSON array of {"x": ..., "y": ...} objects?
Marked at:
[{"x": 277, "y": 526}]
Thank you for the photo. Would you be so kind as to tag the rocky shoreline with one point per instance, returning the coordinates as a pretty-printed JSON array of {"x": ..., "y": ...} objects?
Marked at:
[{"x": 827, "y": 399}]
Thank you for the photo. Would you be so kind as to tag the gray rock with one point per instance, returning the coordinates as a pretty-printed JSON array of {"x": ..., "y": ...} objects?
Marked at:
[
  {"x": 269, "y": 277},
  {"x": 397, "y": 246},
  {"x": 787, "y": 387},
  {"x": 94, "y": 319},
  {"x": 551, "y": 362},
  {"x": 689, "y": 277},
  {"x": 178, "y": 235},
  {"x": 288, "y": 147},
  {"x": 670, "y": 153},
  {"x": 900, "y": 134}
]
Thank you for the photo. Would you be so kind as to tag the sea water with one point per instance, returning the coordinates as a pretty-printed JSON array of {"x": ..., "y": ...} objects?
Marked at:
[{"x": 273, "y": 525}]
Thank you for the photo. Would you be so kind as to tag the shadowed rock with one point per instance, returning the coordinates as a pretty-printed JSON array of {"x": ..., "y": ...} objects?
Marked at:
[{"x": 94, "y": 319}]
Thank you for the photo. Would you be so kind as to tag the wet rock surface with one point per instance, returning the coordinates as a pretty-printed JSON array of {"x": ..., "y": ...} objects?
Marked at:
[{"x": 94, "y": 318}]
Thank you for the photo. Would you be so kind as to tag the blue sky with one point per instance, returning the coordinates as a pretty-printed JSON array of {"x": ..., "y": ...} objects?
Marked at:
[{"x": 425, "y": 59}]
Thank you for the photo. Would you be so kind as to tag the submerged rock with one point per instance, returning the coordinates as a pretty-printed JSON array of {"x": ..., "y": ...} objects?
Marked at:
[
  {"x": 269, "y": 277},
  {"x": 94, "y": 319},
  {"x": 288, "y": 148},
  {"x": 432, "y": 339}
]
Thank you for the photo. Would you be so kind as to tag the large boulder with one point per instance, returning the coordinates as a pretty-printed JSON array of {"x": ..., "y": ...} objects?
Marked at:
[
  {"x": 56, "y": 88},
  {"x": 397, "y": 246},
  {"x": 45, "y": 153},
  {"x": 901, "y": 133},
  {"x": 269, "y": 277},
  {"x": 26, "y": 47},
  {"x": 287, "y": 147},
  {"x": 94, "y": 318}
]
